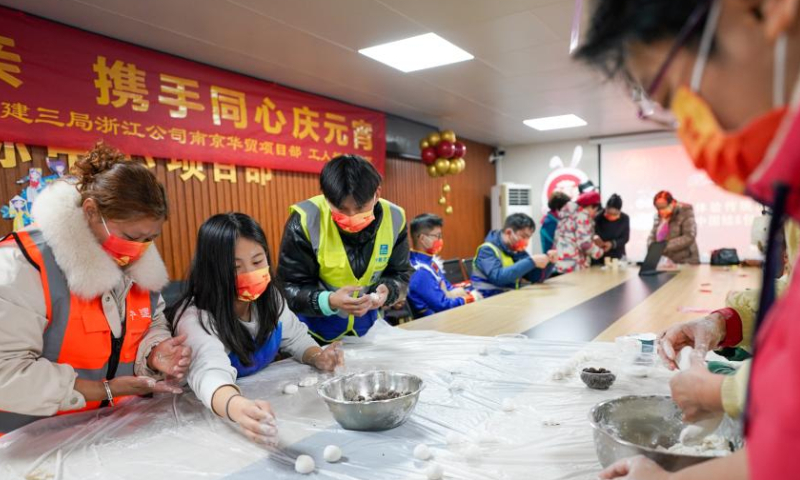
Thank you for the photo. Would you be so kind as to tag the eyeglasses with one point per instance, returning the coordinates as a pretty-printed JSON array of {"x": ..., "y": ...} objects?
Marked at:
[
  {"x": 437, "y": 236},
  {"x": 649, "y": 109}
]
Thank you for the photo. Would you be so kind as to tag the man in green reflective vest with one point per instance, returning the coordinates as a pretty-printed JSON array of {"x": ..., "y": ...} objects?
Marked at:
[
  {"x": 344, "y": 253},
  {"x": 502, "y": 262}
]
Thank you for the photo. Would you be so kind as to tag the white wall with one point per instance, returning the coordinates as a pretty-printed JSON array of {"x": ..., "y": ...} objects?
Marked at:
[{"x": 530, "y": 165}]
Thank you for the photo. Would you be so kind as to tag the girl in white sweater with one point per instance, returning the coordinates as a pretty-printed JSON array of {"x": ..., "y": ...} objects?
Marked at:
[{"x": 236, "y": 321}]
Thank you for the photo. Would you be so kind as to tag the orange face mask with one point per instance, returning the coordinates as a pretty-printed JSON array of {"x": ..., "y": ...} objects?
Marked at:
[
  {"x": 437, "y": 247},
  {"x": 353, "y": 223},
  {"x": 611, "y": 218},
  {"x": 518, "y": 245},
  {"x": 251, "y": 285},
  {"x": 729, "y": 158},
  {"x": 124, "y": 252}
]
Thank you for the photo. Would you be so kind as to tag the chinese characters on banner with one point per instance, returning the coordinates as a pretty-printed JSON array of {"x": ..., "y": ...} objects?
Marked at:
[{"x": 67, "y": 87}]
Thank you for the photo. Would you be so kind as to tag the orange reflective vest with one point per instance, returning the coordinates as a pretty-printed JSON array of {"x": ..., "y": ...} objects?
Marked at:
[{"x": 77, "y": 332}]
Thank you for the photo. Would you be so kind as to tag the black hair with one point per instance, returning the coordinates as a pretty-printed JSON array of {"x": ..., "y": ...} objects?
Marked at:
[
  {"x": 616, "y": 24},
  {"x": 614, "y": 201},
  {"x": 557, "y": 200},
  {"x": 211, "y": 285},
  {"x": 349, "y": 175},
  {"x": 519, "y": 221},
  {"x": 425, "y": 223}
]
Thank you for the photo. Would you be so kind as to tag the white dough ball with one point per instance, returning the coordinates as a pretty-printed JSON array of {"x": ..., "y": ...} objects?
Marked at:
[
  {"x": 434, "y": 472},
  {"x": 304, "y": 465},
  {"x": 308, "y": 382},
  {"x": 422, "y": 452},
  {"x": 454, "y": 438},
  {"x": 332, "y": 454},
  {"x": 685, "y": 359},
  {"x": 290, "y": 389},
  {"x": 508, "y": 405},
  {"x": 557, "y": 375},
  {"x": 472, "y": 452}
]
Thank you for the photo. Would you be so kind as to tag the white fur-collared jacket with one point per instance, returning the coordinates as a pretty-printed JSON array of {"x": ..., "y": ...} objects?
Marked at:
[{"x": 30, "y": 384}]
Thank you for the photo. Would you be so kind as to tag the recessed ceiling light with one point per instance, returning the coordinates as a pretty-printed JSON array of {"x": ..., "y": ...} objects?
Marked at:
[
  {"x": 554, "y": 123},
  {"x": 417, "y": 53}
]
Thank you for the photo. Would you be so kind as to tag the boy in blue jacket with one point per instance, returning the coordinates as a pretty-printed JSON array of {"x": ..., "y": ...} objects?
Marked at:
[
  {"x": 429, "y": 291},
  {"x": 502, "y": 263}
]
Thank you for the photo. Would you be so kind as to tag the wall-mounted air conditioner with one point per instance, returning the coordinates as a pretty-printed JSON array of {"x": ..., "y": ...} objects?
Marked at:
[{"x": 509, "y": 198}]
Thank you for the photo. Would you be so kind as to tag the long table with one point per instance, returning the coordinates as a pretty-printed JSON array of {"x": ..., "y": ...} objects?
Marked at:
[
  {"x": 597, "y": 304},
  {"x": 460, "y": 417}
]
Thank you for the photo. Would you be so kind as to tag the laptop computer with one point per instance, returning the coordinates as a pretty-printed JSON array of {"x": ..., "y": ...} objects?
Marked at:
[{"x": 654, "y": 252}]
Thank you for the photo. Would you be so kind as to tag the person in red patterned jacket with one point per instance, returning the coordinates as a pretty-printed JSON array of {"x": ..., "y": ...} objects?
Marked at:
[{"x": 574, "y": 238}]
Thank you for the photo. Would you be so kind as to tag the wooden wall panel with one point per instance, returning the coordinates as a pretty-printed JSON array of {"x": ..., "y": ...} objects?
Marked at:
[{"x": 192, "y": 201}]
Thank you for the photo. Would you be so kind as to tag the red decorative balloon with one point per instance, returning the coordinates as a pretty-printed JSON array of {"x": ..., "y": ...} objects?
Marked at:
[
  {"x": 429, "y": 155},
  {"x": 445, "y": 149},
  {"x": 460, "y": 149}
]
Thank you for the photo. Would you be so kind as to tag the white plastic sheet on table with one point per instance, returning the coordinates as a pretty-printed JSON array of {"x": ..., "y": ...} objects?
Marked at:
[{"x": 175, "y": 437}]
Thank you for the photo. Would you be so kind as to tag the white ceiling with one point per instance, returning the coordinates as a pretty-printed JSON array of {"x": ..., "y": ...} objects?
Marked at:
[{"x": 521, "y": 68}]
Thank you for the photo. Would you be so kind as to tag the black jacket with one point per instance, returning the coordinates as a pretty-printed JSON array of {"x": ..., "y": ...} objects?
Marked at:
[
  {"x": 299, "y": 270},
  {"x": 617, "y": 232}
]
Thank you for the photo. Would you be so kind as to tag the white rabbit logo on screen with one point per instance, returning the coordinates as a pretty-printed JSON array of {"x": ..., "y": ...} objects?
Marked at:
[{"x": 564, "y": 179}]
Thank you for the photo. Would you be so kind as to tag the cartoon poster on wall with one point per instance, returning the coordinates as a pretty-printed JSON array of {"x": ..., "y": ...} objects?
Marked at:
[
  {"x": 564, "y": 178},
  {"x": 19, "y": 208}
]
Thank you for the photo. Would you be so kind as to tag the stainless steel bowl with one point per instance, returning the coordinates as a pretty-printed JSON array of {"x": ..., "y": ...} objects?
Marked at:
[
  {"x": 371, "y": 401},
  {"x": 638, "y": 425}
]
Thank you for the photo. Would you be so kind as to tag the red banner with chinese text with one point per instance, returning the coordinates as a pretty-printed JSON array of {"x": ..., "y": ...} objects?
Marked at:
[{"x": 67, "y": 87}]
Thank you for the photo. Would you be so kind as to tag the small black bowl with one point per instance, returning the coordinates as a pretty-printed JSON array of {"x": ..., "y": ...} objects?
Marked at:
[{"x": 597, "y": 378}]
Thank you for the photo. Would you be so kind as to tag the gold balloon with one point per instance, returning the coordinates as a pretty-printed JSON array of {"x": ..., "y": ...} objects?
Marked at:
[
  {"x": 446, "y": 188},
  {"x": 442, "y": 200},
  {"x": 449, "y": 135},
  {"x": 424, "y": 143},
  {"x": 434, "y": 138},
  {"x": 442, "y": 166},
  {"x": 462, "y": 164},
  {"x": 454, "y": 167},
  {"x": 432, "y": 171},
  {"x": 448, "y": 210}
]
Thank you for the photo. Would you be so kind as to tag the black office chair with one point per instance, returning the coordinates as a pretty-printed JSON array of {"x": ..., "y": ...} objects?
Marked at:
[
  {"x": 396, "y": 316},
  {"x": 453, "y": 272},
  {"x": 466, "y": 264},
  {"x": 172, "y": 292}
]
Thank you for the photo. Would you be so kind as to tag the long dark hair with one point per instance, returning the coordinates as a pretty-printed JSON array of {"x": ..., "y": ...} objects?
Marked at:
[{"x": 211, "y": 285}]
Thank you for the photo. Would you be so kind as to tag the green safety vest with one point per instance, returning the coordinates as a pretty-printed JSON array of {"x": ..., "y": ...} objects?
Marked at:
[
  {"x": 506, "y": 260},
  {"x": 334, "y": 267}
]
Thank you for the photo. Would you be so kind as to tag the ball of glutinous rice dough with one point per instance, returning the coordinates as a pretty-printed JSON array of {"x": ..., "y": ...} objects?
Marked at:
[
  {"x": 290, "y": 389},
  {"x": 308, "y": 382},
  {"x": 508, "y": 405},
  {"x": 434, "y": 472},
  {"x": 454, "y": 438},
  {"x": 422, "y": 452},
  {"x": 472, "y": 452},
  {"x": 332, "y": 454},
  {"x": 684, "y": 360},
  {"x": 304, "y": 464}
]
